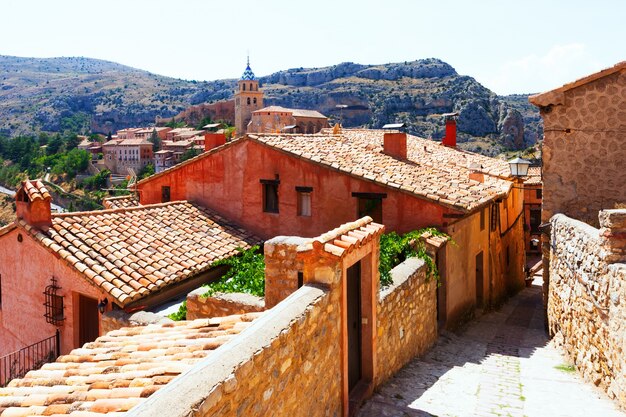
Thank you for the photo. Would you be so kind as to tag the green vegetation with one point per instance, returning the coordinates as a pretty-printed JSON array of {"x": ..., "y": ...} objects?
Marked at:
[
  {"x": 566, "y": 368},
  {"x": 181, "y": 314},
  {"x": 246, "y": 275},
  {"x": 189, "y": 153},
  {"x": 395, "y": 249}
]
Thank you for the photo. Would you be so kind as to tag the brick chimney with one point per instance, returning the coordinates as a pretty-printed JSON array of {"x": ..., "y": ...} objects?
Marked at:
[
  {"x": 213, "y": 140},
  {"x": 394, "y": 144},
  {"x": 32, "y": 204},
  {"x": 450, "y": 138}
]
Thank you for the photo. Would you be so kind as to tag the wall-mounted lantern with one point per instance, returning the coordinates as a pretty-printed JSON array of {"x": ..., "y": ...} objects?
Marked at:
[
  {"x": 102, "y": 305},
  {"x": 519, "y": 167}
]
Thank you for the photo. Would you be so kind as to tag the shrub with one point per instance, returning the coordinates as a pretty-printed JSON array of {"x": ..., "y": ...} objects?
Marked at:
[
  {"x": 246, "y": 274},
  {"x": 395, "y": 249}
]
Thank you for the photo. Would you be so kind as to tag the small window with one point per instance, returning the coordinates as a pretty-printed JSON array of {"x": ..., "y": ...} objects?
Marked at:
[
  {"x": 251, "y": 89},
  {"x": 254, "y": 100},
  {"x": 165, "y": 194},
  {"x": 244, "y": 88},
  {"x": 539, "y": 193},
  {"x": 482, "y": 219},
  {"x": 248, "y": 101},
  {"x": 53, "y": 304},
  {"x": 370, "y": 204},
  {"x": 270, "y": 195},
  {"x": 304, "y": 201}
]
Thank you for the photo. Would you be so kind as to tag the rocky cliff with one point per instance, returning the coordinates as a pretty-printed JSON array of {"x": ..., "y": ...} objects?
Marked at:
[{"x": 60, "y": 93}]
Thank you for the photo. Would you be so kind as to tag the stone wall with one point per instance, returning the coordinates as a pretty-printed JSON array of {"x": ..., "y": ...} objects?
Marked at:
[
  {"x": 587, "y": 297},
  {"x": 281, "y": 268},
  {"x": 269, "y": 370},
  {"x": 221, "y": 305},
  {"x": 583, "y": 148},
  {"x": 406, "y": 318},
  {"x": 116, "y": 319}
]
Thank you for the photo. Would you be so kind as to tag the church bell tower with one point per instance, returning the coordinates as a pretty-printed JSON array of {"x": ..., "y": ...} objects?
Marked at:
[{"x": 248, "y": 98}]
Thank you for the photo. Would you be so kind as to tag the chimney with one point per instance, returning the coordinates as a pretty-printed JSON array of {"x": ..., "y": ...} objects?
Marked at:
[
  {"x": 213, "y": 140},
  {"x": 475, "y": 172},
  {"x": 395, "y": 144},
  {"x": 32, "y": 204},
  {"x": 450, "y": 138}
]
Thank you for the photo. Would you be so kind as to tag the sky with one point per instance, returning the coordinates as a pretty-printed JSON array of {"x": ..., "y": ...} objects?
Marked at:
[{"x": 523, "y": 46}]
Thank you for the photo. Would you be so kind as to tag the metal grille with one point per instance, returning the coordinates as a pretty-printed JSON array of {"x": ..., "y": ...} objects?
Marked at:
[
  {"x": 17, "y": 364},
  {"x": 53, "y": 304}
]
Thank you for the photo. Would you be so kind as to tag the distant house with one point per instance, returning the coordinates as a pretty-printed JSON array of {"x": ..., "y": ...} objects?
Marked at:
[
  {"x": 276, "y": 119},
  {"x": 120, "y": 155},
  {"x": 90, "y": 262},
  {"x": 275, "y": 184},
  {"x": 533, "y": 195}
]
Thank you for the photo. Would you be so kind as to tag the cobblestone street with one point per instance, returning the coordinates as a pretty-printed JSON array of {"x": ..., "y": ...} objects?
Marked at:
[{"x": 502, "y": 364}]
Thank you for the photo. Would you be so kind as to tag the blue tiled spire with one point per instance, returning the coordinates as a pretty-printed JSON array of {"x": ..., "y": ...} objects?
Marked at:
[{"x": 248, "y": 75}]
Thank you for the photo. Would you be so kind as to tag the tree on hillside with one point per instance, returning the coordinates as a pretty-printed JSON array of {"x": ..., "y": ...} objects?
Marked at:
[
  {"x": 155, "y": 140},
  {"x": 71, "y": 142},
  {"x": 54, "y": 145}
]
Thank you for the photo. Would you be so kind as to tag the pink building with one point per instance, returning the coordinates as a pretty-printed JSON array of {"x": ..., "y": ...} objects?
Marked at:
[{"x": 89, "y": 262}]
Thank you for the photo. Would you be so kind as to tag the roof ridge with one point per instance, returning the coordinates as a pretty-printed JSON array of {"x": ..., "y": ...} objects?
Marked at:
[
  {"x": 192, "y": 160},
  {"x": 117, "y": 210}
]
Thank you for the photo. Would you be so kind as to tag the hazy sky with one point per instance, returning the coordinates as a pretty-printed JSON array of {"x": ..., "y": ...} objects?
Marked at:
[{"x": 518, "y": 46}]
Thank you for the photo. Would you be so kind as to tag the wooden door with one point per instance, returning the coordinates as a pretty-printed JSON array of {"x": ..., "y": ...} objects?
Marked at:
[
  {"x": 88, "y": 320},
  {"x": 353, "y": 289}
]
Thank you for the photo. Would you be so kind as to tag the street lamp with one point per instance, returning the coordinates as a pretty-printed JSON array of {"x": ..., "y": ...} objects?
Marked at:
[{"x": 519, "y": 167}]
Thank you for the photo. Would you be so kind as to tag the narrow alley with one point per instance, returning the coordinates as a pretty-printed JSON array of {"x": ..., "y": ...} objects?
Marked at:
[{"x": 502, "y": 364}]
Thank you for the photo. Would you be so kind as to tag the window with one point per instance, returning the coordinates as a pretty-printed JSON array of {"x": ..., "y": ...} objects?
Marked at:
[
  {"x": 495, "y": 211},
  {"x": 370, "y": 204},
  {"x": 300, "y": 279},
  {"x": 248, "y": 101},
  {"x": 53, "y": 304},
  {"x": 251, "y": 89},
  {"x": 482, "y": 220},
  {"x": 254, "y": 100},
  {"x": 165, "y": 194},
  {"x": 304, "y": 201},
  {"x": 244, "y": 87},
  {"x": 270, "y": 195},
  {"x": 539, "y": 193}
]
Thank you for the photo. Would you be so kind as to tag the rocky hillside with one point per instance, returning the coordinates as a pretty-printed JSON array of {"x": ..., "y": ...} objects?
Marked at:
[{"x": 61, "y": 93}]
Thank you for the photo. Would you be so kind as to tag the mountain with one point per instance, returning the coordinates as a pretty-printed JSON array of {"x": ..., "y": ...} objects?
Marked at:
[{"x": 54, "y": 94}]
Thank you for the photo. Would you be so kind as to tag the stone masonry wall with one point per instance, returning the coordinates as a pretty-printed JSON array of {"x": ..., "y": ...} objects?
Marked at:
[
  {"x": 221, "y": 305},
  {"x": 587, "y": 297},
  {"x": 268, "y": 370},
  {"x": 406, "y": 318},
  {"x": 583, "y": 150},
  {"x": 116, "y": 319}
]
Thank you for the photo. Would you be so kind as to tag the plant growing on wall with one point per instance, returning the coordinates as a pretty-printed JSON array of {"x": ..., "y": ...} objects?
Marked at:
[
  {"x": 395, "y": 249},
  {"x": 246, "y": 274}
]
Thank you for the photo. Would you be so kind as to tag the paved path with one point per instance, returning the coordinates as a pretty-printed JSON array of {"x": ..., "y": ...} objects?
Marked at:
[{"x": 502, "y": 364}]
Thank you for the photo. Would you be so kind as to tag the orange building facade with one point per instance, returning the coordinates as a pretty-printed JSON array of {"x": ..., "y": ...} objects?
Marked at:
[
  {"x": 533, "y": 195},
  {"x": 273, "y": 191}
]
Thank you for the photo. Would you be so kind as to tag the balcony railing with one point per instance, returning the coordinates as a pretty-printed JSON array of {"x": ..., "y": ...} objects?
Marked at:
[{"x": 17, "y": 364}]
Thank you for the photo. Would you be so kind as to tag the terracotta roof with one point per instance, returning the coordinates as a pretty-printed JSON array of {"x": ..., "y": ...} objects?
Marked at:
[
  {"x": 345, "y": 238},
  {"x": 556, "y": 96},
  {"x": 124, "y": 201},
  {"x": 294, "y": 112},
  {"x": 533, "y": 177},
  {"x": 118, "y": 370},
  {"x": 432, "y": 171},
  {"x": 133, "y": 252},
  {"x": 35, "y": 190}
]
